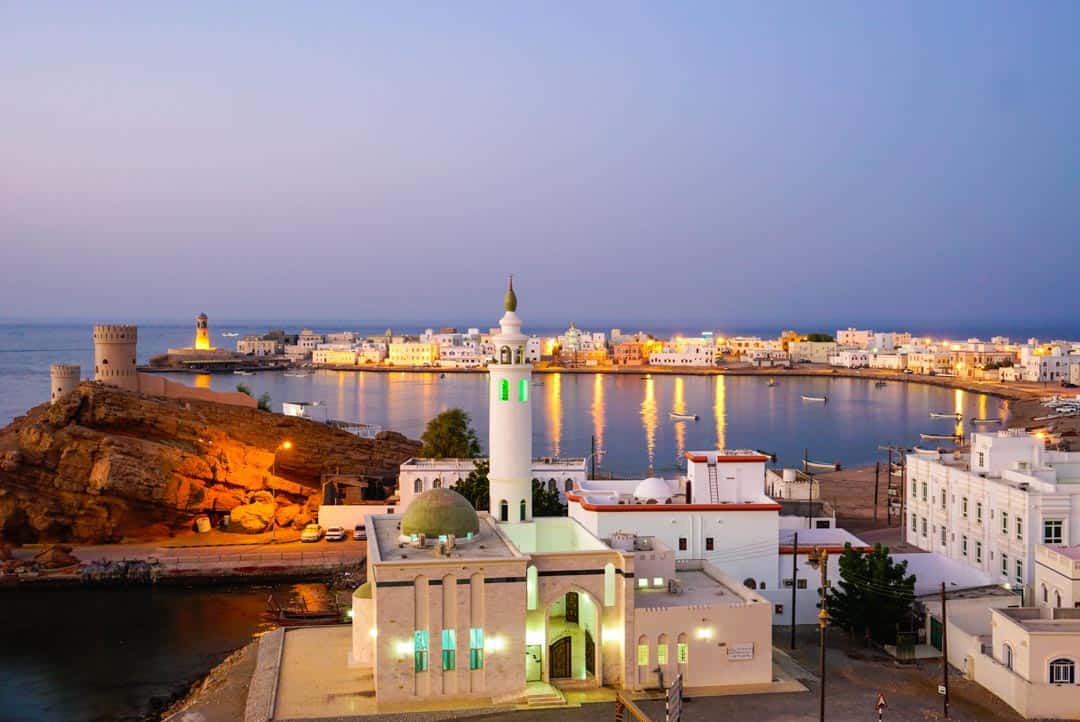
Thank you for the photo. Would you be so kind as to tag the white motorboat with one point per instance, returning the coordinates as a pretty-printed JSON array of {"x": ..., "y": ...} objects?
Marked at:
[
  {"x": 683, "y": 417},
  {"x": 942, "y": 415},
  {"x": 821, "y": 399}
]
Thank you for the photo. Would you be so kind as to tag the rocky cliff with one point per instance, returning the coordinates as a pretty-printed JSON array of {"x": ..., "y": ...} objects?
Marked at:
[{"x": 104, "y": 464}]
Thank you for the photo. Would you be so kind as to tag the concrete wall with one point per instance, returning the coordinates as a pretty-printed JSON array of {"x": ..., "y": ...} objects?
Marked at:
[
  {"x": 349, "y": 515},
  {"x": 158, "y": 386}
]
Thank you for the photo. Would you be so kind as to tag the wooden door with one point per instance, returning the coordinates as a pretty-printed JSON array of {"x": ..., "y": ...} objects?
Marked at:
[
  {"x": 571, "y": 607},
  {"x": 590, "y": 654},
  {"x": 559, "y": 656}
]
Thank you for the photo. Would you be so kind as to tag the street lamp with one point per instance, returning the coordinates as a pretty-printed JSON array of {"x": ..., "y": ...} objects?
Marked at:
[
  {"x": 819, "y": 559},
  {"x": 283, "y": 446}
]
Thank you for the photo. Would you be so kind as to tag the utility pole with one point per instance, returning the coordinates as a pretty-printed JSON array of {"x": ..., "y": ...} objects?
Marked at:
[
  {"x": 794, "y": 585},
  {"x": 820, "y": 558},
  {"x": 877, "y": 475},
  {"x": 944, "y": 651}
]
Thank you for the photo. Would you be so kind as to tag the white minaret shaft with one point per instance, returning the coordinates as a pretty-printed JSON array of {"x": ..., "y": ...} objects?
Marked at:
[{"x": 510, "y": 432}]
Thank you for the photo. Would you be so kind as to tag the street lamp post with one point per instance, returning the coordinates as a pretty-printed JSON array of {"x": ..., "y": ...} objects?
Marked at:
[
  {"x": 283, "y": 446},
  {"x": 819, "y": 559}
]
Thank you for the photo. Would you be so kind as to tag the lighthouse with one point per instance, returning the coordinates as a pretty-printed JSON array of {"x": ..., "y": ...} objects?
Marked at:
[
  {"x": 202, "y": 333},
  {"x": 510, "y": 415}
]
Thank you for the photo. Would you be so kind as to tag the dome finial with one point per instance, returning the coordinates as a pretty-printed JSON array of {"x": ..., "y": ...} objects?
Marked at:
[{"x": 510, "y": 302}]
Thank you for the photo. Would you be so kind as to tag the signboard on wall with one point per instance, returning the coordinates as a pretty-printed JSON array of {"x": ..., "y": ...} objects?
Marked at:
[{"x": 740, "y": 651}]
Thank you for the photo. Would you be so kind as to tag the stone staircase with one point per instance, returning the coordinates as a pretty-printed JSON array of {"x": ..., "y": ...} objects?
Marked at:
[{"x": 540, "y": 694}]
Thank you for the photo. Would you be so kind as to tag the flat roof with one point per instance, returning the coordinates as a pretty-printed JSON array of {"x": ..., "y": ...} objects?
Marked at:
[
  {"x": 809, "y": 538},
  {"x": 487, "y": 544},
  {"x": 698, "y": 589},
  {"x": 1072, "y": 551},
  {"x": 1033, "y": 620}
]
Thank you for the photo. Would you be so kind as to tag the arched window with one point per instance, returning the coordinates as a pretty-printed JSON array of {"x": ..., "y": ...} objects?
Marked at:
[
  {"x": 1007, "y": 656},
  {"x": 523, "y": 390},
  {"x": 418, "y": 486},
  {"x": 1062, "y": 671},
  {"x": 1057, "y": 598},
  {"x": 1046, "y": 596},
  {"x": 682, "y": 649},
  {"x": 437, "y": 484},
  {"x": 531, "y": 587},
  {"x": 662, "y": 650},
  {"x": 568, "y": 485},
  {"x": 519, "y": 357},
  {"x": 551, "y": 485},
  {"x": 643, "y": 651},
  {"x": 504, "y": 355},
  {"x": 523, "y": 510},
  {"x": 749, "y": 583},
  {"x": 504, "y": 511},
  {"x": 504, "y": 390}
]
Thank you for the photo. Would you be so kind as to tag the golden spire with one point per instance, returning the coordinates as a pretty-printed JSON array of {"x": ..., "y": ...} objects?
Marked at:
[{"x": 510, "y": 302}]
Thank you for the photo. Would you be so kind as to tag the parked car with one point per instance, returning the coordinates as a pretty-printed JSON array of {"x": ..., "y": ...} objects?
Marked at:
[
  {"x": 311, "y": 533},
  {"x": 335, "y": 533},
  {"x": 359, "y": 533},
  {"x": 1068, "y": 385},
  {"x": 908, "y": 371}
]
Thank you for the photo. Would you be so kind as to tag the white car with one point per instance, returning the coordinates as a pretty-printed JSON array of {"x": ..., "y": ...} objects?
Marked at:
[
  {"x": 335, "y": 533},
  {"x": 359, "y": 533},
  {"x": 311, "y": 533}
]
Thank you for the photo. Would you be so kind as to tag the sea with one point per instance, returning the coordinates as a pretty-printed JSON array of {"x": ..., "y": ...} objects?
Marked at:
[{"x": 118, "y": 654}]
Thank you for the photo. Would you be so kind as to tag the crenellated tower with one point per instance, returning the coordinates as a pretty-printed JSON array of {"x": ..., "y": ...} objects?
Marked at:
[
  {"x": 114, "y": 355},
  {"x": 64, "y": 379},
  {"x": 510, "y": 431}
]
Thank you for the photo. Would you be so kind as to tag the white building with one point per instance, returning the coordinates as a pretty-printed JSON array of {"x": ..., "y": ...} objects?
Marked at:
[
  {"x": 690, "y": 352},
  {"x": 258, "y": 346},
  {"x": 815, "y": 352},
  {"x": 417, "y": 475},
  {"x": 1057, "y": 575},
  {"x": 1054, "y": 366},
  {"x": 890, "y": 361},
  {"x": 535, "y": 605},
  {"x": 858, "y": 338},
  {"x": 988, "y": 509},
  {"x": 850, "y": 359},
  {"x": 767, "y": 357}
]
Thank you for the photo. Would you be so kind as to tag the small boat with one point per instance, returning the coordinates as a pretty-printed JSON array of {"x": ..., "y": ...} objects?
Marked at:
[
  {"x": 822, "y": 399},
  {"x": 442, "y": 375},
  {"x": 928, "y": 452},
  {"x": 985, "y": 421},
  {"x": 879, "y": 384},
  {"x": 939, "y": 437},
  {"x": 940, "y": 415},
  {"x": 301, "y": 616},
  {"x": 807, "y": 464},
  {"x": 297, "y": 374},
  {"x": 238, "y": 372},
  {"x": 230, "y": 334},
  {"x": 772, "y": 382},
  {"x": 683, "y": 417}
]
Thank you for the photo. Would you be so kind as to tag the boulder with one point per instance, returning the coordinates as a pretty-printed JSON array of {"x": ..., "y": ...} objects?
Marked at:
[
  {"x": 287, "y": 514},
  {"x": 56, "y": 556},
  {"x": 251, "y": 518}
]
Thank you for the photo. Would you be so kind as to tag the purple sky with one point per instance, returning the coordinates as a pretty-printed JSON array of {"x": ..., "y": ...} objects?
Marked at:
[{"x": 715, "y": 162}]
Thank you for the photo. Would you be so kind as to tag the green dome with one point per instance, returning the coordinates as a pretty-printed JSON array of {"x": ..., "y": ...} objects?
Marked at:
[
  {"x": 440, "y": 511},
  {"x": 510, "y": 302}
]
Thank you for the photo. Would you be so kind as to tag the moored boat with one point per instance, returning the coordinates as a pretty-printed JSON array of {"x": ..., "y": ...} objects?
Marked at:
[
  {"x": 928, "y": 452},
  {"x": 939, "y": 437},
  {"x": 807, "y": 465},
  {"x": 238, "y": 372},
  {"x": 822, "y": 399},
  {"x": 942, "y": 415},
  {"x": 683, "y": 417},
  {"x": 985, "y": 421}
]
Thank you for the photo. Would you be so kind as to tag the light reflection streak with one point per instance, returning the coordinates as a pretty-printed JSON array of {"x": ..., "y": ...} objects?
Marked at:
[
  {"x": 679, "y": 407},
  {"x": 202, "y": 381},
  {"x": 720, "y": 402},
  {"x": 649, "y": 420},
  {"x": 554, "y": 412},
  {"x": 598, "y": 416},
  {"x": 958, "y": 408}
]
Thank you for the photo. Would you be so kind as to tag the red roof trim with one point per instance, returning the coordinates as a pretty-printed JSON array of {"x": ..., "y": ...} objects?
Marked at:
[
  {"x": 673, "y": 507},
  {"x": 724, "y": 459},
  {"x": 806, "y": 549}
]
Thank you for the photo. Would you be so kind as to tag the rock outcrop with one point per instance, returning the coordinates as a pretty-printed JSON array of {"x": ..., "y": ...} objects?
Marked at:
[{"x": 104, "y": 464}]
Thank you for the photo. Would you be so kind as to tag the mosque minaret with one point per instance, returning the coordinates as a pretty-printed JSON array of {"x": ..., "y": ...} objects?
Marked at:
[{"x": 510, "y": 432}]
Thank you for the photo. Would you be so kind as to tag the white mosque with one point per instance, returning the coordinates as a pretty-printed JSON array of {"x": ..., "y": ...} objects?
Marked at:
[{"x": 643, "y": 581}]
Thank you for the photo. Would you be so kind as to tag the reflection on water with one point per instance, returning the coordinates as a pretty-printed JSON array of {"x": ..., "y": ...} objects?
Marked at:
[
  {"x": 678, "y": 405},
  {"x": 720, "y": 410},
  {"x": 598, "y": 417},
  {"x": 958, "y": 409},
  {"x": 202, "y": 381},
  {"x": 554, "y": 412},
  {"x": 628, "y": 413},
  {"x": 648, "y": 420}
]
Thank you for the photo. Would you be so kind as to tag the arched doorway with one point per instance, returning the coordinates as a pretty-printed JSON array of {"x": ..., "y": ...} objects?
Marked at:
[{"x": 573, "y": 626}]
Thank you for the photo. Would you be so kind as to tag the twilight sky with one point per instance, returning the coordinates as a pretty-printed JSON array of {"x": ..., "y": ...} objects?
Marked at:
[{"x": 785, "y": 162}]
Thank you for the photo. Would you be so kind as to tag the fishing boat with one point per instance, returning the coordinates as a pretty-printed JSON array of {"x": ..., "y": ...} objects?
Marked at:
[
  {"x": 985, "y": 421},
  {"x": 822, "y": 399},
  {"x": 938, "y": 437},
  {"x": 300, "y": 616},
  {"x": 238, "y": 372},
  {"x": 683, "y": 417},
  {"x": 941, "y": 415},
  {"x": 807, "y": 464},
  {"x": 928, "y": 452}
]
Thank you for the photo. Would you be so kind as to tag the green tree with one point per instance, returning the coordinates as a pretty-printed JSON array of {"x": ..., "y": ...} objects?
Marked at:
[
  {"x": 544, "y": 501},
  {"x": 244, "y": 389},
  {"x": 264, "y": 402},
  {"x": 873, "y": 596},
  {"x": 450, "y": 436},
  {"x": 475, "y": 487},
  {"x": 819, "y": 337}
]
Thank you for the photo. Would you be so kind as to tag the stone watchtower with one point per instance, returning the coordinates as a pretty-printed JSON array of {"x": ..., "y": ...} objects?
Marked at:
[
  {"x": 114, "y": 355},
  {"x": 202, "y": 333},
  {"x": 65, "y": 378}
]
